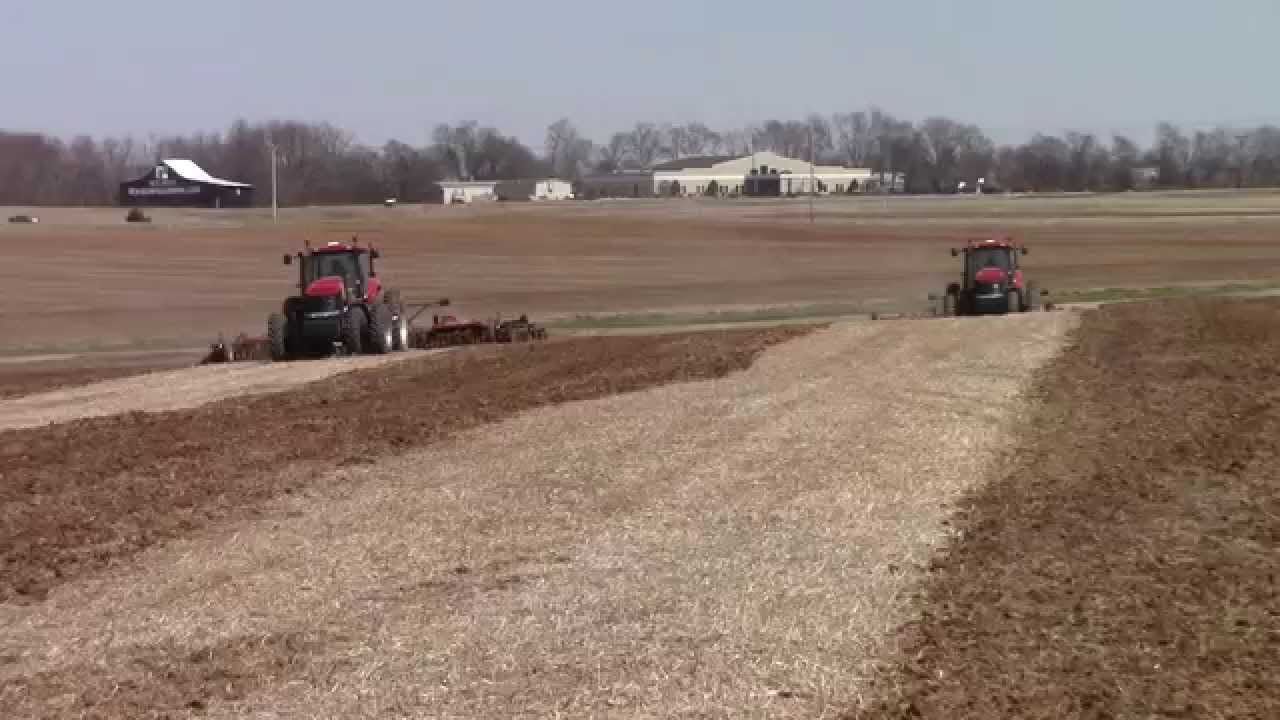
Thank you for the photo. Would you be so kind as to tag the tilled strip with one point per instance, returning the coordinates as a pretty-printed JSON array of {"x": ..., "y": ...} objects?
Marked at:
[
  {"x": 77, "y": 496},
  {"x": 1125, "y": 564}
]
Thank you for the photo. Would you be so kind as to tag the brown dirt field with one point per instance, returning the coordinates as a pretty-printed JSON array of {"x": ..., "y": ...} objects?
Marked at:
[
  {"x": 739, "y": 547},
  {"x": 21, "y": 377},
  {"x": 78, "y": 496},
  {"x": 1128, "y": 562},
  {"x": 193, "y": 274}
]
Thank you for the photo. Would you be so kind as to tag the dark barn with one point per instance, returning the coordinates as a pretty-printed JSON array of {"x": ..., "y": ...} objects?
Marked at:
[{"x": 182, "y": 183}]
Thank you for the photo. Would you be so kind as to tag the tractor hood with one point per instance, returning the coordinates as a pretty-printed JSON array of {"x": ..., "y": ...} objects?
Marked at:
[
  {"x": 325, "y": 287},
  {"x": 990, "y": 276}
]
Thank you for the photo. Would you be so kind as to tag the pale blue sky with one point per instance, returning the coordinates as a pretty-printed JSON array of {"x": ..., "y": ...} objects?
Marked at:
[{"x": 394, "y": 68}]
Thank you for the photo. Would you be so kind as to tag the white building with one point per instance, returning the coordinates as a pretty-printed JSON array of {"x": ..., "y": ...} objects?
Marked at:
[
  {"x": 465, "y": 192},
  {"x": 544, "y": 189},
  {"x": 695, "y": 174}
]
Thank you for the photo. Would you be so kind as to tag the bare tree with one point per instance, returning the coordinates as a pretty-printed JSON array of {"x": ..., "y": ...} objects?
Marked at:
[
  {"x": 1124, "y": 158},
  {"x": 820, "y": 138},
  {"x": 456, "y": 145},
  {"x": 321, "y": 163},
  {"x": 1173, "y": 156},
  {"x": 700, "y": 139},
  {"x": 735, "y": 142},
  {"x": 674, "y": 141},
  {"x": 615, "y": 155},
  {"x": 645, "y": 144},
  {"x": 568, "y": 153},
  {"x": 853, "y": 137}
]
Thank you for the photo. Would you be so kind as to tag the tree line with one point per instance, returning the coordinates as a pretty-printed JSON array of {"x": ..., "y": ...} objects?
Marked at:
[{"x": 322, "y": 164}]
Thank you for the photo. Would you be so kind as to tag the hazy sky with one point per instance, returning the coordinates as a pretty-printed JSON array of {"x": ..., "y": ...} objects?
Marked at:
[{"x": 395, "y": 68}]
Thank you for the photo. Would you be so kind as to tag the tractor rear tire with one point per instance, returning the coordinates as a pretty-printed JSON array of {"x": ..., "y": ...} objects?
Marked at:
[
  {"x": 278, "y": 337},
  {"x": 1015, "y": 301},
  {"x": 949, "y": 305},
  {"x": 353, "y": 332},
  {"x": 400, "y": 334},
  {"x": 381, "y": 329},
  {"x": 1033, "y": 297}
]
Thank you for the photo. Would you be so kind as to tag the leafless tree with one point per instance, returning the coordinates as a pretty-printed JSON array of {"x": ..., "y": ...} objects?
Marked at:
[
  {"x": 456, "y": 145},
  {"x": 568, "y": 153},
  {"x": 820, "y": 140},
  {"x": 645, "y": 144},
  {"x": 853, "y": 137},
  {"x": 1173, "y": 156},
  {"x": 615, "y": 155},
  {"x": 1123, "y": 158}
]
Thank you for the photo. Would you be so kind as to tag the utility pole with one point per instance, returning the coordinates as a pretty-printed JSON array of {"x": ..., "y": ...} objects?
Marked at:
[
  {"x": 1242, "y": 138},
  {"x": 813, "y": 189},
  {"x": 275, "y": 204}
]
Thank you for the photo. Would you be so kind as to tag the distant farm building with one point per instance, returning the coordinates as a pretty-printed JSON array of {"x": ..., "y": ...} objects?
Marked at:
[
  {"x": 762, "y": 173},
  {"x": 182, "y": 183},
  {"x": 465, "y": 192},
  {"x": 624, "y": 184},
  {"x": 1145, "y": 177},
  {"x": 693, "y": 176},
  {"x": 545, "y": 189}
]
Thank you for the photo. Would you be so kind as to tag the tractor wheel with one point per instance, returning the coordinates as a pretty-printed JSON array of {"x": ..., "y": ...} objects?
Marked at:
[
  {"x": 400, "y": 336},
  {"x": 1015, "y": 301},
  {"x": 278, "y": 337},
  {"x": 1033, "y": 297},
  {"x": 353, "y": 332},
  {"x": 949, "y": 305},
  {"x": 381, "y": 329}
]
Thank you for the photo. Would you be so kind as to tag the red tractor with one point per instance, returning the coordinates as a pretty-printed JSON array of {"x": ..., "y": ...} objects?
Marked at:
[
  {"x": 992, "y": 282},
  {"x": 342, "y": 305}
]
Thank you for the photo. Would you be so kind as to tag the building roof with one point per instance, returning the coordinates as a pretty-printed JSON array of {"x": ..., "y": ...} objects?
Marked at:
[
  {"x": 701, "y": 161},
  {"x": 467, "y": 183},
  {"x": 191, "y": 172}
]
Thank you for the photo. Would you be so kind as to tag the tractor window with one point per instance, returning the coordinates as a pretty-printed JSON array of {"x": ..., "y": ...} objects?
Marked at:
[
  {"x": 340, "y": 264},
  {"x": 363, "y": 259},
  {"x": 989, "y": 257}
]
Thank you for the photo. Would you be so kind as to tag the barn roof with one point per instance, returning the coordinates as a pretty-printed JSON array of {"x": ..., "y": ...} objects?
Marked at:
[
  {"x": 191, "y": 172},
  {"x": 702, "y": 161}
]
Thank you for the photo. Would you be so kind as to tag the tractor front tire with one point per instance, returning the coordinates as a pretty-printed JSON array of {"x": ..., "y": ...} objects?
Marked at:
[
  {"x": 353, "y": 332},
  {"x": 1015, "y": 301},
  {"x": 381, "y": 329},
  {"x": 278, "y": 337}
]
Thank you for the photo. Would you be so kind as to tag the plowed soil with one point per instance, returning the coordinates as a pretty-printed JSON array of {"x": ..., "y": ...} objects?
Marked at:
[
  {"x": 78, "y": 496},
  {"x": 1127, "y": 564},
  {"x": 738, "y": 547},
  {"x": 136, "y": 390},
  {"x": 20, "y": 377}
]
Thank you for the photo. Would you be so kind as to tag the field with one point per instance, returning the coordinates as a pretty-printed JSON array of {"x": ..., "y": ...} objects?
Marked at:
[
  {"x": 102, "y": 284},
  {"x": 1067, "y": 514}
]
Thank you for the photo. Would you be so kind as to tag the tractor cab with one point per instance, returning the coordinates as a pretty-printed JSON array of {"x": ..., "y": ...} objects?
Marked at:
[
  {"x": 991, "y": 254},
  {"x": 337, "y": 269}
]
